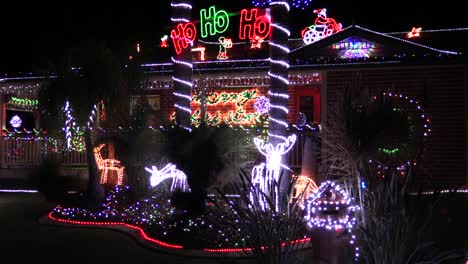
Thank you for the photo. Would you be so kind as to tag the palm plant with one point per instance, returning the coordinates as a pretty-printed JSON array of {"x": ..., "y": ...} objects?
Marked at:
[
  {"x": 398, "y": 224},
  {"x": 263, "y": 232},
  {"x": 99, "y": 78}
]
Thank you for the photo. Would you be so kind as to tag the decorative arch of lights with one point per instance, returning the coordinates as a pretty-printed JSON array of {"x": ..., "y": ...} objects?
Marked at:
[
  {"x": 331, "y": 208},
  {"x": 265, "y": 175},
  {"x": 179, "y": 179}
]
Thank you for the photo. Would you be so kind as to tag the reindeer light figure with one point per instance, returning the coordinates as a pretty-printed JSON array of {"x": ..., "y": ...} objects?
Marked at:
[
  {"x": 179, "y": 179},
  {"x": 106, "y": 165},
  {"x": 264, "y": 174}
]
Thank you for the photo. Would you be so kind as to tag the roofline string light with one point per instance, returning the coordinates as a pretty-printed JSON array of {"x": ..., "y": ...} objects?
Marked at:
[
  {"x": 409, "y": 42},
  {"x": 430, "y": 30}
]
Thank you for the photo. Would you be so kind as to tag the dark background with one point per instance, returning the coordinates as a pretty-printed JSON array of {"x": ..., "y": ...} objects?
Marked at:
[{"x": 34, "y": 36}]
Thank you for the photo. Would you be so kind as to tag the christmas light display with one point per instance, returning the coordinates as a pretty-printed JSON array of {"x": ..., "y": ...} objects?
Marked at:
[
  {"x": 138, "y": 48},
  {"x": 227, "y": 107},
  {"x": 302, "y": 4},
  {"x": 262, "y": 105},
  {"x": 330, "y": 208},
  {"x": 265, "y": 174},
  {"x": 215, "y": 22},
  {"x": 323, "y": 27},
  {"x": 261, "y": 2},
  {"x": 69, "y": 123},
  {"x": 224, "y": 44},
  {"x": 23, "y": 101},
  {"x": 16, "y": 121},
  {"x": 91, "y": 116},
  {"x": 182, "y": 68},
  {"x": 278, "y": 70},
  {"x": 425, "y": 131},
  {"x": 163, "y": 43},
  {"x": 254, "y": 26},
  {"x": 302, "y": 119},
  {"x": 409, "y": 42},
  {"x": 201, "y": 52},
  {"x": 303, "y": 188},
  {"x": 354, "y": 48},
  {"x": 156, "y": 214},
  {"x": 106, "y": 165},
  {"x": 183, "y": 35},
  {"x": 414, "y": 33},
  {"x": 179, "y": 179}
]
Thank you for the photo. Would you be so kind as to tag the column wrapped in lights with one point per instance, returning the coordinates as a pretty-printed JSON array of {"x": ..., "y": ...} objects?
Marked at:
[
  {"x": 278, "y": 72},
  {"x": 182, "y": 65}
]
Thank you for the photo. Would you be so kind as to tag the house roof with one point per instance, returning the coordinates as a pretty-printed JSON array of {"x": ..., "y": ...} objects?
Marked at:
[{"x": 392, "y": 46}]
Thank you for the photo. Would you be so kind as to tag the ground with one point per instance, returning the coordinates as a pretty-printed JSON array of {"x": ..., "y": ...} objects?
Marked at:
[{"x": 22, "y": 238}]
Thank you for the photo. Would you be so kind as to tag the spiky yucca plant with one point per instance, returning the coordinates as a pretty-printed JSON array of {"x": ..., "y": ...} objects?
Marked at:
[{"x": 253, "y": 220}]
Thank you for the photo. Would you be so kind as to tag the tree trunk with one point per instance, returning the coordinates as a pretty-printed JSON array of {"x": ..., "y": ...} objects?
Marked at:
[
  {"x": 95, "y": 192},
  {"x": 278, "y": 72},
  {"x": 182, "y": 72}
]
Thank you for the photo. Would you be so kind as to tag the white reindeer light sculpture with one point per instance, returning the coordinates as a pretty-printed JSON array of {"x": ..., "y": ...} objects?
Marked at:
[
  {"x": 179, "y": 179},
  {"x": 264, "y": 174}
]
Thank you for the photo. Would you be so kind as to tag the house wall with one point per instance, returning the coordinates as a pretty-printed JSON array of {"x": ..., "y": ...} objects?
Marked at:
[{"x": 441, "y": 89}]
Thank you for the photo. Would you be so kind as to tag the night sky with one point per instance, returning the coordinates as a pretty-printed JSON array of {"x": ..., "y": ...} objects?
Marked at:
[{"x": 37, "y": 35}]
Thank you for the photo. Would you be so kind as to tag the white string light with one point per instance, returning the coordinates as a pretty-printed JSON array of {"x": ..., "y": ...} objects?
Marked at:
[
  {"x": 279, "y": 107},
  {"x": 68, "y": 124},
  {"x": 279, "y": 27},
  {"x": 182, "y": 81},
  {"x": 278, "y": 121},
  {"x": 285, "y": 96},
  {"x": 179, "y": 19},
  {"x": 182, "y": 5},
  {"x": 409, "y": 42},
  {"x": 179, "y": 179},
  {"x": 279, "y": 62},
  {"x": 188, "y": 110},
  {"x": 278, "y": 77},
  {"x": 283, "y": 3},
  {"x": 262, "y": 178},
  {"x": 188, "y": 97},
  {"x": 430, "y": 30},
  {"x": 277, "y": 136},
  {"x": 91, "y": 116},
  {"x": 188, "y": 64},
  {"x": 284, "y": 48}
]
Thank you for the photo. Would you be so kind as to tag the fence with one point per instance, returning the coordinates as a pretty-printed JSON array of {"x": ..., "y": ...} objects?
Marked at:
[
  {"x": 24, "y": 152},
  {"x": 21, "y": 152}
]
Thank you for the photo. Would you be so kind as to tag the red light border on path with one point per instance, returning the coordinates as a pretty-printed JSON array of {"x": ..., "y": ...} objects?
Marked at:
[{"x": 161, "y": 243}]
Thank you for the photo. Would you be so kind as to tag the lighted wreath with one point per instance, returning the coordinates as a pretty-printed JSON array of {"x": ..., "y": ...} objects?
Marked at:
[{"x": 403, "y": 127}]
